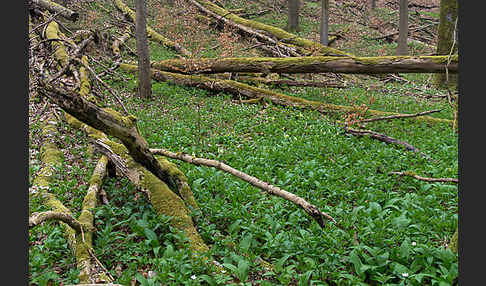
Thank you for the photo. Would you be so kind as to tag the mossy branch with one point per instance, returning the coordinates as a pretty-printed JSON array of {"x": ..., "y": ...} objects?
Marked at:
[{"x": 38, "y": 218}]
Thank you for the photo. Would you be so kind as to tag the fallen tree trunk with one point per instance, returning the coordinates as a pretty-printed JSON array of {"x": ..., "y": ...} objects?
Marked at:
[
  {"x": 304, "y": 46},
  {"x": 323, "y": 64},
  {"x": 238, "y": 89},
  {"x": 151, "y": 33},
  {"x": 55, "y": 8},
  {"x": 112, "y": 123},
  {"x": 310, "y": 209},
  {"x": 284, "y": 82}
]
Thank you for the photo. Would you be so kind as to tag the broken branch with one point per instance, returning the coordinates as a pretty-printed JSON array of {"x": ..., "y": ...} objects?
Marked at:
[
  {"x": 312, "y": 210},
  {"x": 433, "y": 180}
]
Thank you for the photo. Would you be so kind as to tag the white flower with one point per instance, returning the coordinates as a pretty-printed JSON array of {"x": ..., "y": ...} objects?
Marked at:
[
  {"x": 193, "y": 277},
  {"x": 405, "y": 274},
  {"x": 414, "y": 243}
]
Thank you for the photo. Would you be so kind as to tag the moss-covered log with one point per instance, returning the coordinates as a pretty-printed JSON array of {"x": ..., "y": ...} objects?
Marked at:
[
  {"x": 285, "y": 82},
  {"x": 321, "y": 64},
  {"x": 164, "y": 200},
  {"x": 238, "y": 88},
  {"x": 151, "y": 33},
  {"x": 303, "y": 46},
  {"x": 51, "y": 157},
  {"x": 55, "y": 8},
  {"x": 52, "y": 33},
  {"x": 84, "y": 241}
]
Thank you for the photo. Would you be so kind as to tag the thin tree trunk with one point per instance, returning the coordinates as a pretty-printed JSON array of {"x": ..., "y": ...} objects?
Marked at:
[
  {"x": 373, "y": 4},
  {"x": 144, "y": 87},
  {"x": 403, "y": 29},
  {"x": 293, "y": 21},
  {"x": 324, "y": 35},
  {"x": 356, "y": 65},
  {"x": 446, "y": 32}
]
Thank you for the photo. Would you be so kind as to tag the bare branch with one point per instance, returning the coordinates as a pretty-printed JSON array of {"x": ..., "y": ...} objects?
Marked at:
[
  {"x": 312, "y": 210},
  {"x": 434, "y": 180}
]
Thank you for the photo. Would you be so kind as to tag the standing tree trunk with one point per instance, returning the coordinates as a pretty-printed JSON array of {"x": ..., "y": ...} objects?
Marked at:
[
  {"x": 403, "y": 29},
  {"x": 324, "y": 23},
  {"x": 293, "y": 22},
  {"x": 447, "y": 30},
  {"x": 373, "y": 4},
  {"x": 144, "y": 74}
]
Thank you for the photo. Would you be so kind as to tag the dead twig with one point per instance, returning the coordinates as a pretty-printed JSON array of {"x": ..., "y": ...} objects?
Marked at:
[
  {"x": 383, "y": 138},
  {"x": 112, "y": 92},
  {"x": 433, "y": 180}
]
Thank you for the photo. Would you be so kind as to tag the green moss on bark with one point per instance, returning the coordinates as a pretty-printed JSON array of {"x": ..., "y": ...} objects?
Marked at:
[{"x": 448, "y": 15}]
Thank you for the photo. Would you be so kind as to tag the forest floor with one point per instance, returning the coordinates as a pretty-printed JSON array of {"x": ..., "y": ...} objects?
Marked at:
[{"x": 399, "y": 227}]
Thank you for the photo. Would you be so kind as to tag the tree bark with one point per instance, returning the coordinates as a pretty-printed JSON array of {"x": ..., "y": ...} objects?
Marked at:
[
  {"x": 373, "y": 4},
  {"x": 446, "y": 42},
  {"x": 55, "y": 8},
  {"x": 362, "y": 65},
  {"x": 241, "y": 89},
  {"x": 403, "y": 29},
  {"x": 293, "y": 20},
  {"x": 304, "y": 46},
  {"x": 144, "y": 86},
  {"x": 324, "y": 31}
]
